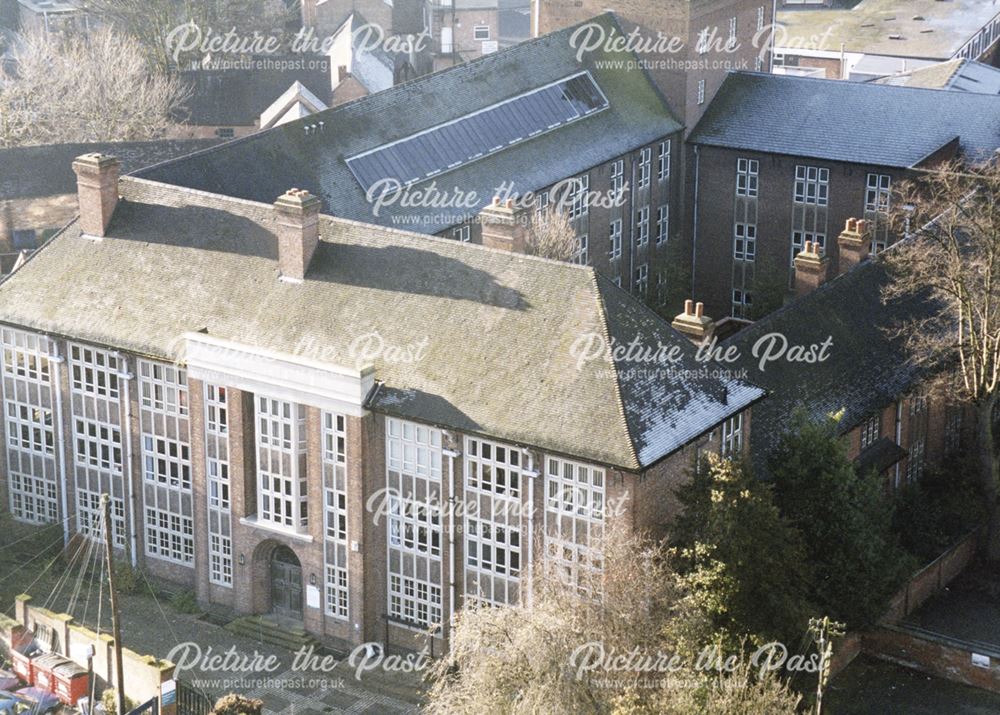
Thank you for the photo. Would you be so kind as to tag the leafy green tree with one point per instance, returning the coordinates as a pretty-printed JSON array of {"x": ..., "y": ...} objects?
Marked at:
[
  {"x": 743, "y": 563},
  {"x": 845, "y": 521}
]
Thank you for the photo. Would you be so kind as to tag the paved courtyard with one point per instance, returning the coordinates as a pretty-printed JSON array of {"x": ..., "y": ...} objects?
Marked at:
[{"x": 154, "y": 628}]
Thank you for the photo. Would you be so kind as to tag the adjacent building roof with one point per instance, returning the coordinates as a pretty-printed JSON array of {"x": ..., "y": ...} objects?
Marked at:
[
  {"x": 867, "y": 365},
  {"x": 40, "y": 171},
  {"x": 313, "y": 153},
  {"x": 929, "y": 29},
  {"x": 960, "y": 75},
  {"x": 502, "y": 331},
  {"x": 236, "y": 97},
  {"x": 862, "y": 123}
]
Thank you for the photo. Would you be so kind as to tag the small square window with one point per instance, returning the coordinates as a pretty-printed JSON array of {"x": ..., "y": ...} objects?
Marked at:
[{"x": 481, "y": 32}]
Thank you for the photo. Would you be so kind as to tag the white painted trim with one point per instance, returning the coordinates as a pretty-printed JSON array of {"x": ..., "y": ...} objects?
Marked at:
[
  {"x": 255, "y": 523},
  {"x": 282, "y": 376}
]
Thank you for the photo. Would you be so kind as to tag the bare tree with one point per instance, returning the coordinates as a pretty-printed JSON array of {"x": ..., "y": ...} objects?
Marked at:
[
  {"x": 158, "y": 25},
  {"x": 84, "y": 89},
  {"x": 564, "y": 653},
  {"x": 952, "y": 256},
  {"x": 552, "y": 236}
]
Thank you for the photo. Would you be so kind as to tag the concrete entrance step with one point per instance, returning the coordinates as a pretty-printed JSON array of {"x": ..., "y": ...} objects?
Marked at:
[{"x": 280, "y": 633}]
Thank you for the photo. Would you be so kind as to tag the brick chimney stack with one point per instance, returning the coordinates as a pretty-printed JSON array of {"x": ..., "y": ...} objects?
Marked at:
[
  {"x": 97, "y": 191},
  {"x": 693, "y": 323},
  {"x": 853, "y": 244},
  {"x": 811, "y": 269},
  {"x": 505, "y": 225},
  {"x": 297, "y": 213}
]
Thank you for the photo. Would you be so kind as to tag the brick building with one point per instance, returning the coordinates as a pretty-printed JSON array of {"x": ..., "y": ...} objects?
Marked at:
[
  {"x": 783, "y": 160},
  {"x": 716, "y": 37},
  {"x": 585, "y": 135},
  {"x": 893, "y": 426},
  {"x": 196, "y": 356},
  {"x": 878, "y": 38}
]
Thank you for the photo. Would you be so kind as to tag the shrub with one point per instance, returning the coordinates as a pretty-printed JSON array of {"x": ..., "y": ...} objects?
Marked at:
[
  {"x": 109, "y": 699},
  {"x": 185, "y": 602},
  {"x": 234, "y": 704}
]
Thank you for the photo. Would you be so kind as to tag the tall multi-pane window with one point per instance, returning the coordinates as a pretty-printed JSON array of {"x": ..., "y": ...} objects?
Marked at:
[
  {"x": 94, "y": 371},
  {"x": 701, "y": 91},
  {"x": 32, "y": 474},
  {"x": 96, "y": 391},
  {"x": 167, "y": 485},
  {"x": 663, "y": 165},
  {"x": 413, "y": 481},
  {"x": 282, "y": 495},
  {"x": 642, "y": 226},
  {"x": 541, "y": 206},
  {"x": 731, "y": 444},
  {"x": 645, "y": 167},
  {"x": 642, "y": 279},
  {"x": 744, "y": 241},
  {"x": 220, "y": 543},
  {"x": 812, "y": 185},
  {"x": 579, "y": 204},
  {"x": 878, "y": 192},
  {"x": 662, "y": 225},
  {"x": 615, "y": 237},
  {"x": 871, "y": 430},
  {"x": 494, "y": 480},
  {"x": 741, "y": 303},
  {"x": 617, "y": 176},
  {"x": 747, "y": 176},
  {"x": 580, "y": 254},
  {"x": 760, "y": 18},
  {"x": 575, "y": 496},
  {"x": 335, "y": 514}
]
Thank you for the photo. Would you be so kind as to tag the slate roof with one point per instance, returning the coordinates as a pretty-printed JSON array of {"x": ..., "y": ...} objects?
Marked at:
[
  {"x": 236, "y": 97},
  {"x": 959, "y": 75},
  {"x": 854, "y": 122},
  {"x": 867, "y": 367},
  {"x": 500, "y": 327},
  {"x": 40, "y": 171},
  {"x": 263, "y": 166}
]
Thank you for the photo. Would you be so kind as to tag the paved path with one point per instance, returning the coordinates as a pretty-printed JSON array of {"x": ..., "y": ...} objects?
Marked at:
[{"x": 153, "y": 627}]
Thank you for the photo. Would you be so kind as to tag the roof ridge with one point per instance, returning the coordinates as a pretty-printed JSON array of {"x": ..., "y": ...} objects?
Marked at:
[
  {"x": 335, "y": 220},
  {"x": 408, "y": 84},
  {"x": 606, "y": 334}
]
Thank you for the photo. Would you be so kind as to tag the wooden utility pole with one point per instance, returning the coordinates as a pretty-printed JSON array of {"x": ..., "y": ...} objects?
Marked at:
[{"x": 115, "y": 627}]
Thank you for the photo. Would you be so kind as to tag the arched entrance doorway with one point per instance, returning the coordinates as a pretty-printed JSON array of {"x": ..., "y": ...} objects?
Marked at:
[{"x": 286, "y": 584}]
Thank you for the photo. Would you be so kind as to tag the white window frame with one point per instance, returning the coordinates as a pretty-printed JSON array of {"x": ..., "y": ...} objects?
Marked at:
[
  {"x": 335, "y": 517},
  {"x": 169, "y": 536},
  {"x": 477, "y": 33},
  {"x": 575, "y": 499},
  {"x": 579, "y": 201},
  {"x": 701, "y": 91},
  {"x": 94, "y": 371},
  {"x": 663, "y": 162},
  {"x": 645, "y": 167},
  {"x": 662, "y": 224},
  {"x": 414, "y": 454},
  {"x": 744, "y": 241},
  {"x": 812, "y": 185},
  {"x": 495, "y": 479},
  {"x": 463, "y": 234},
  {"x": 282, "y": 497},
  {"x": 731, "y": 444},
  {"x": 642, "y": 279},
  {"x": 617, "y": 176},
  {"x": 642, "y": 226},
  {"x": 747, "y": 177},
  {"x": 615, "y": 239}
]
